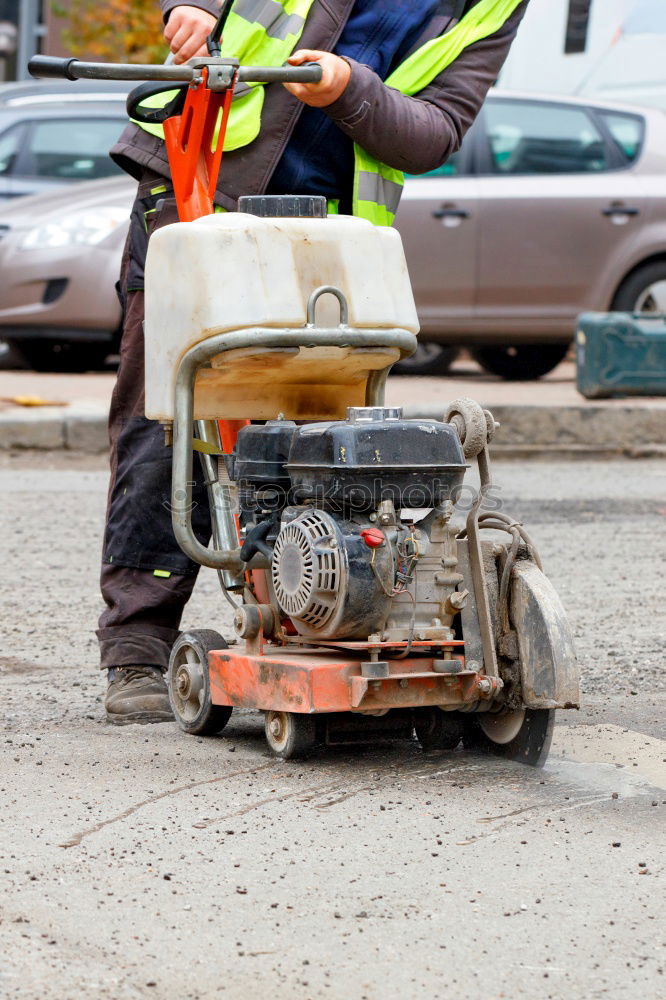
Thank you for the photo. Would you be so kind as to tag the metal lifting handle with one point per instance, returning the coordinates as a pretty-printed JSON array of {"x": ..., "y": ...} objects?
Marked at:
[
  {"x": 314, "y": 299},
  {"x": 43, "y": 67},
  {"x": 199, "y": 356}
]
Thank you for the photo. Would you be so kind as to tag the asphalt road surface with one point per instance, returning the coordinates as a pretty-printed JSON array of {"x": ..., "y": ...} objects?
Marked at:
[{"x": 139, "y": 862}]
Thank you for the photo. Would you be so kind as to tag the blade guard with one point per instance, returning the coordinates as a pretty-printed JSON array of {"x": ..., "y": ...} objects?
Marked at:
[{"x": 548, "y": 665}]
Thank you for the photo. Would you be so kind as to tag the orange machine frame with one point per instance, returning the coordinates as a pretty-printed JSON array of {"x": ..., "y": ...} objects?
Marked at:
[{"x": 291, "y": 678}]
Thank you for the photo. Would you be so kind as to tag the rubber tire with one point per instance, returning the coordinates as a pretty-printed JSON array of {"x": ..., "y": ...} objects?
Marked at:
[
  {"x": 44, "y": 355},
  {"x": 520, "y": 362},
  {"x": 301, "y": 735},
  {"x": 437, "y": 730},
  {"x": 631, "y": 288},
  {"x": 420, "y": 364},
  {"x": 212, "y": 718},
  {"x": 530, "y": 746},
  {"x": 474, "y": 432}
]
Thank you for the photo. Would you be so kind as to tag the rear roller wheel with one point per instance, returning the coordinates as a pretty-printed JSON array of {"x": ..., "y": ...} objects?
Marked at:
[
  {"x": 189, "y": 683},
  {"x": 524, "y": 734},
  {"x": 290, "y": 735},
  {"x": 437, "y": 730}
]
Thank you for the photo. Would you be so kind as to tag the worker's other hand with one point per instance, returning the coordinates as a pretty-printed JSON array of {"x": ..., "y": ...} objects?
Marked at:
[
  {"x": 335, "y": 77},
  {"x": 186, "y": 32}
]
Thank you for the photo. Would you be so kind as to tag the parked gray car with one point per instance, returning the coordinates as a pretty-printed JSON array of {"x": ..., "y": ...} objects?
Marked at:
[
  {"x": 60, "y": 259},
  {"x": 50, "y": 137},
  {"x": 551, "y": 208}
]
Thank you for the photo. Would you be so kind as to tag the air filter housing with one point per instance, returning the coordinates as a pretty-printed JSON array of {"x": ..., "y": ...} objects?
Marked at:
[{"x": 376, "y": 455}]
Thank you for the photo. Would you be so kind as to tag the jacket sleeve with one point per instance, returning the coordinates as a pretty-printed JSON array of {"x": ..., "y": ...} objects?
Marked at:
[
  {"x": 418, "y": 134},
  {"x": 210, "y": 6}
]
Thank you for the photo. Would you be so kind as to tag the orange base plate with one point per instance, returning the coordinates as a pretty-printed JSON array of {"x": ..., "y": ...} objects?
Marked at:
[{"x": 307, "y": 681}]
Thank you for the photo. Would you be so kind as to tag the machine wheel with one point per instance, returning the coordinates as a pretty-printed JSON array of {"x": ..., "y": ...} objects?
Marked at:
[
  {"x": 644, "y": 291},
  {"x": 437, "y": 730},
  {"x": 524, "y": 734},
  {"x": 522, "y": 362},
  {"x": 289, "y": 734},
  {"x": 472, "y": 424},
  {"x": 189, "y": 683},
  {"x": 429, "y": 359}
]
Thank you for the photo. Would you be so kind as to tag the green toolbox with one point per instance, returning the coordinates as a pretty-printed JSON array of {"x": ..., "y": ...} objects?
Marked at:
[{"x": 620, "y": 354}]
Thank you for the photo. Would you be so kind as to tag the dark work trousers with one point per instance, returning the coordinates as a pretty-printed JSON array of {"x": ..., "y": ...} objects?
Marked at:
[{"x": 146, "y": 579}]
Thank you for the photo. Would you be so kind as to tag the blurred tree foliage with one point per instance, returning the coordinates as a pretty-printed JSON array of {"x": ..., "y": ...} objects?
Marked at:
[{"x": 114, "y": 31}]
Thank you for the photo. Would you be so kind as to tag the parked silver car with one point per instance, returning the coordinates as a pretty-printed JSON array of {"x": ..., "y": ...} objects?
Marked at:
[
  {"x": 50, "y": 137},
  {"x": 60, "y": 259},
  {"x": 551, "y": 208}
]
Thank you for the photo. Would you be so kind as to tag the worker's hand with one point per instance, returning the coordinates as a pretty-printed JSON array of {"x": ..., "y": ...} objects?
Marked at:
[
  {"x": 335, "y": 77},
  {"x": 186, "y": 32}
]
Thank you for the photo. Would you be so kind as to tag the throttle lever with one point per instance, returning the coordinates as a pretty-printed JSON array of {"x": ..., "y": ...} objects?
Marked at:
[
  {"x": 214, "y": 40},
  {"x": 155, "y": 116}
]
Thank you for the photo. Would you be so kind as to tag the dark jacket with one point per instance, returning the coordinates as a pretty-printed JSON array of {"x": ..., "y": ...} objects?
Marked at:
[{"x": 414, "y": 134}]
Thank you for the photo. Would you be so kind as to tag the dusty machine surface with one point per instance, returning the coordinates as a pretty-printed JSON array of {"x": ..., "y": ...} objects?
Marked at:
[
  {"x": 368, "y": 603},
  {"x": 371, "y": 608}
]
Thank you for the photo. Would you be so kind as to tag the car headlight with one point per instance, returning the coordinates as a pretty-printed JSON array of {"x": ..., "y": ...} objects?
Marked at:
[{"x": 78, "y": 229}]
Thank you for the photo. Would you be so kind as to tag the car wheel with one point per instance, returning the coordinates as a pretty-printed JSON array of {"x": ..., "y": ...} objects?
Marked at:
[
  {"x": 10, "y": 359},
  {"x": 44, "y": 355},
  {"x": 429, "y": 359},
  {"x": 520, "y": 363},
  {"x": 644, "y": 291}
]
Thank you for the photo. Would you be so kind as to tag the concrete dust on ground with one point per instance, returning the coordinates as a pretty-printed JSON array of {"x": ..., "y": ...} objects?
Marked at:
[{"x": 138, "y": 862}]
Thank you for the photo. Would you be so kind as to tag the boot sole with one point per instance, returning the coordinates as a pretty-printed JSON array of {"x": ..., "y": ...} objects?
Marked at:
[{"x": 139, "y": 718}]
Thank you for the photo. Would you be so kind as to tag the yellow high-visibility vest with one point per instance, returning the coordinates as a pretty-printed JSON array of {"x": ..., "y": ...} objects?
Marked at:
[{"x": 266, "y": 32}]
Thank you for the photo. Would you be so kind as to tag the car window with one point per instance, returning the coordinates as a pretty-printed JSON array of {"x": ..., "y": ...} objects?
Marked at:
[
  {"x": 9, "y": 144},
  {"x": 451, "y": 168},
  {"x": 534, "y": 138},
  {"x": 627, "y": 132},
  {"x": 73, "y": 149}
]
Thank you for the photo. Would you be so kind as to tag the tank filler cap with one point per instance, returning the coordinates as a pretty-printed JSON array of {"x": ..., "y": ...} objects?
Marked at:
[
  {"x": 373, "y": 414},
  {"x": 284, "y": 206}
]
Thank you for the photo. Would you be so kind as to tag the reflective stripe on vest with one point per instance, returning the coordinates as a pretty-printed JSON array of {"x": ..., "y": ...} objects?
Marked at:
[
  {"x": 278, "y": 20},
  {"x": 377, "y": 189},
  {"x": 266, "y": 32}
]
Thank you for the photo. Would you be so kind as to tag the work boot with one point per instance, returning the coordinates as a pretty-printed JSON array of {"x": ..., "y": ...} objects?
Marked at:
[{"x": 137, "y": 694}]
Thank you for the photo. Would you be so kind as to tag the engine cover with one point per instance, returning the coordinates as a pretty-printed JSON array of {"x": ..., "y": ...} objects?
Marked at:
[
  {"x": 376, "y": 455},
  {"x": 327, "y": 580}
]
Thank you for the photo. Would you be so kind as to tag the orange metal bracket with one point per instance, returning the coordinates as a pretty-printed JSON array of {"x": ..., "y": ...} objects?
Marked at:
[
  {"x": 195, "y": 146},
  {"x": 312, "y": 681},
  {"x": 229, "y": 432}
]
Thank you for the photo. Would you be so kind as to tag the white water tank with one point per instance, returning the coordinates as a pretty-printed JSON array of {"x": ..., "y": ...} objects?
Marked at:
[{"x": 233, "y": 271}]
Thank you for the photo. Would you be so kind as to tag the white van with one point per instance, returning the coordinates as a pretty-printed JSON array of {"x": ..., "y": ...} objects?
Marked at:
[{"x": 606, "y": 49}]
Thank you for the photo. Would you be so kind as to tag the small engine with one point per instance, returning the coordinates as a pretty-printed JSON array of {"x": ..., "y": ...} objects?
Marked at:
[{"x": 333, "y": 508}]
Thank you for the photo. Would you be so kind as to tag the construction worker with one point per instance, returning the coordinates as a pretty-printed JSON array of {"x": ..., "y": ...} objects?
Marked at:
[{"x": 348, "y": 138}]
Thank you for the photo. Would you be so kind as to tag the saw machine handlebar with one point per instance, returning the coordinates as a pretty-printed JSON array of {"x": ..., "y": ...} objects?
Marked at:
[
  {"x": 194, "y": 121},
  {"x": 50, "y": 67}
]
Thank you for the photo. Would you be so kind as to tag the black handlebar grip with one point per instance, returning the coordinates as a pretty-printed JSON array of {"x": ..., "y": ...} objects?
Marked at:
[
  {"x": 307, "y": 73},
  {"x": 311, "y": 72},
  {"x": 47, "y": 67}
]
